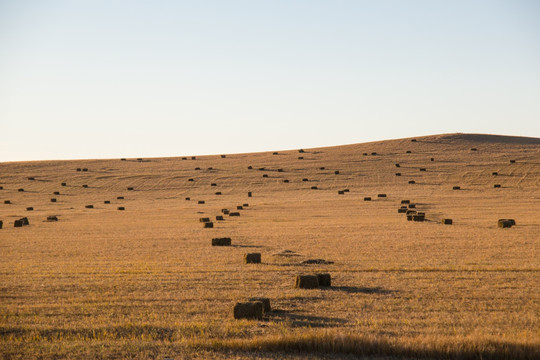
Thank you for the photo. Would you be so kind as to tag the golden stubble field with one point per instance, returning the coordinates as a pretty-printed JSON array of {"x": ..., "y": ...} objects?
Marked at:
[{"x": 146, "y": 283}]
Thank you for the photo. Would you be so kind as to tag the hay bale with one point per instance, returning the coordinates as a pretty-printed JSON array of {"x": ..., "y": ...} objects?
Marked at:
[
  {"x": 374, "y": 153},
  {"x": 130, "y": 189},
  {"x": 401, "y": 210},
  {"x": 301, "y": 151},
  {"x": 364, "y": 154},
  {"x": 1, "y": 188},
  {"x": 305, "y": 179},
  {"x": 85, "y": 186},
  {"x": 29, "y": 208},
  {"x": 249, "y": 194},
  {"x": 56, "y": 193},
  {"x": 20, "y": 190},
  {"x": 410, "y": 212},
  {"x": 121, "y": 208},
  {"x": 275, "y": 153},
  {"x": 1, "y": 224},
  {"x": 106, "y": 202},
  {"x": 300, "y": 158},
  {"x": 413, "y": 140},
  {"x": 324, "y": 280},
  {"x": 346, "y": 190},
  {"x": 31, "y": 178},
  {"x": 398, "y": 174},
  {"x": 89, "y": 206},
  {"x": 234, "y": 214},
  {"x": 322, "y": 168},
  {"x": 7, "y": 202},
  {"x": 262, "y": 169},
  {"x": 191, "y": 179},
  {"x": 279, "y": 170},
  {"x": 252, "y": 258},
  {"x": 139, "y": 159},
  {"x": 184, "y": 158},
  {"x": 397, "y": 165},
  {"x": 123, "y": 159},
  {"x": 286, "y": 181},
  {"x": 18, "y": 223},
  {"x": 53, "y": 199},
  {"x": 265, "y": 301},
  {"x": 208, "y": 225},
  {"x": 506, "y": 223},
  {"x": 193, "y": 158},
  {"x": 225, "y": 211},
  {"x": 84, "y": 169},
  {"x": 447, "y": 221},
  {"x": 265, "y": 175},
  {"x": 245, "y": 205},
  {"x": 381, "y": 195},
  {"x": 512, "y": 161},
  {"x": 25, "y": 221},
  {"x": 223, "y": 156},
  {"x": 224, "y": 241},
  {"x": 197, "y": 168},
  {"x": 496, "y": 186},
  {"x": 336, "y": 172},
  {"x": 341, "y": 192},
  {"x": 219, "y": 218},
  {"x": 218, "y": 192},
  {"x": 412, "y": 182},
  {"x": 210, "y": 168},
  {"x": 412, "y": 206},
  {"x": 188, "y": 198},
  {"x": 200, "y": 202},
  {"x": 119, "y": 198},
  {"x": 423, "y": 169},
  {"x": 79, "y": 169},
  {"x": 405, "y": 201},
  {"x": 213, "y": 184},
  {"x": 248, "y": 310},
  {"x": 239, "y": 207},
  {"x": 250, "y": 167},
  {"x": 432, "y": 159},
  {"x": 474, "y": 149},
  {"x": 52, "y": 218},
  {"x": 456, "y": 188},
  {"x": 314, "y": 188},
  {"x": 494, "y": 173},
  {"x": 307, "y": 282},
  {"x": 367, "y": 198},
  {"x": 204, "y": 219},
  {"x": 408, "y": 152},
  {"x": 64, "y": 184}
]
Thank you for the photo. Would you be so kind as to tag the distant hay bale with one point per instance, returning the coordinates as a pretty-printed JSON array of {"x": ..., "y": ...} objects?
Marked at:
[
  {"x": 346, "y": 190},
  {"x": 413, "y": 140},
  {"x": 130, "y": 189},
  {"x": 324, "y": 280},
  {"x": 307, "y": 282},
  {"x": 505, "y": 223},
  {"x": 364, "y": 154},
  {"x": 119, "y": 198},
  {"x": 412, "y": 182},
  {"x": 275, "y": 153},
  {"x": 300, "y": 158},
  {"x": 18, "y": 223},
  {"x": 405, "y": 201},
  {"x": 262, "y": 169},
  {"x": 249, "y": 194},
  {"x": 305, "y": 179},
  {"x": 474, "y": 149},
  {"x": 341, "y": 192},
  {"x": 432, "y": 159},
  {"x": 398, "y": 174},
  {"x": 208, "y": 225},
  {"x": 408, "y": 152},
  {"x": 410, "y": 212},
  {"x": 265, "y": 175},
  {"x": 314, "y": 188},
  {"x": 53, "y": 200},
  {"x": 512, "y": 161},
  {"x": 336, "y": 172},
  {"x": 123, "y": 159},
  {"x": 52, "y": 218},
  {"x": 224, "y": 241},
  {"x": 218, "y": 193},
  {"x": 204, "y": 219},
  {"x": 456, "y": 188},
  {"x": 397, "y": 165},
  {"x": 79, "y": 169},
  {"x": 193, "y": 158},
  {"x": 497, "y": 186},
  {"x": 401, "y": 210},
  {"x": 447, "y": 221},
  {"x": 85, "y": 186},
  {"x": 322, "y": 168},
  {"x": 64, "y": 184},
  {"x": 121, "y": 208},
  {"x": 280, "y": 170},
  {"x": 248, "y": 310},
  {"x": 210, "y": 168},
  {"x": 301, "y": 151},
  {"x": 219, "y": 217},
  {"x": 285, "y": 180},
  {"x": 423, "y": 169},
  {"x": 494, "y": 173},
  {"x": 225, "y": 211},
  {"x": 31, "y": 178},
  {"x": 234, "y": 214},
  {"x": 25, "y": 221},
  {"x": 367, "y": 198},
  {"x": 252, "y": 258},
  {"x": 84, "y": 169},
  {"x": 20, "y": 190},
  {"x": 265, "y": 301},
  {"x": 7, "y": 202},
  {"x": 106, "y": 202},
  {"x": 200, "y": 202},
  {"x": 381, "y": 195},
  {"x": 374, "y": 153},
  {"x": 188, "y": 198},
  {"x": 223, "y": 156},
  {"x": 213, "y": 184},
  {"x": 250, "y": 167},
  {"x": 239, "y": 207},
  {"x": 245, "y": 205},
  {"x": 412, "y": 206},
  {"x": 191, "y": 179},
  {"x": 56, "y": 193},
  {"x": 1, "y": 188},
  {"x": 89, "y": 206},
  {"x": 184, "y": 158},
  {"x": 29, "y": 208},
  {"x": 139, "y": 159},
  {"x": 1, "y": 224},
  {"x": 197, "y": 168}
]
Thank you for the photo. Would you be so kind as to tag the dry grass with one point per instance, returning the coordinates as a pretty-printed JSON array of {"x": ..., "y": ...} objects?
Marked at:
[{"x": 146, "y": 283}]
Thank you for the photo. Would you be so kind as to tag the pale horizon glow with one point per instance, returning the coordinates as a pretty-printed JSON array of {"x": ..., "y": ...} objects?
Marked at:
[{"x": 110, "y": 79}]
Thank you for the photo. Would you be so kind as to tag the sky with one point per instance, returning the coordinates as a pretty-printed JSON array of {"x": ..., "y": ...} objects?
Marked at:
[{"x": 106, "y": 79}]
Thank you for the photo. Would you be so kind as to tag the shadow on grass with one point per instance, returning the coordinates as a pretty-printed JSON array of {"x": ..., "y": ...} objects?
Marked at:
[
  {"x": 298, "y": 320},
  {"x": 360, "y": 290}
]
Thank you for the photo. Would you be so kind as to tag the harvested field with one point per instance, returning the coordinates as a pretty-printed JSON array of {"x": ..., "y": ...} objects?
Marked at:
[{"x": 145, "y": 282}]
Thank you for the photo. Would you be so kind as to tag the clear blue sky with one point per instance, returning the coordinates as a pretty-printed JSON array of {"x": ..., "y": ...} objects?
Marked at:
[{"x": 106, "y": 79}]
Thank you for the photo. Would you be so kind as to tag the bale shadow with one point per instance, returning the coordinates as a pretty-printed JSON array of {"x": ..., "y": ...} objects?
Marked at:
[
  {"x": 248, "y": 246},
  {"x": 360, "y": 290},
  {"x": 305, "y": 320}
]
